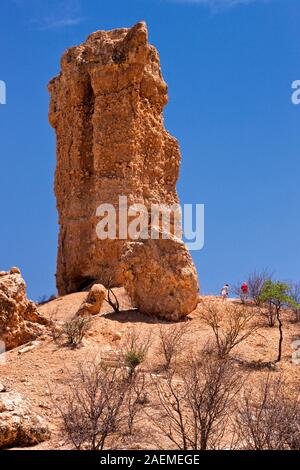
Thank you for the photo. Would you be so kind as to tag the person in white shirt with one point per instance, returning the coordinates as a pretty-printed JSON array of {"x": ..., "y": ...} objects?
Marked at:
[{"x": 225, "y": 292}]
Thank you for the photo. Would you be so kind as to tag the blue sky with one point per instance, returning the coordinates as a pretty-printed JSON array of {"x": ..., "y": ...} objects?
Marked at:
[{"x": 229, "y": 65}]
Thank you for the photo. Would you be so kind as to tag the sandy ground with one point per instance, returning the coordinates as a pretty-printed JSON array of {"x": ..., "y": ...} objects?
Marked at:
[{"x": 48, "y": 366}]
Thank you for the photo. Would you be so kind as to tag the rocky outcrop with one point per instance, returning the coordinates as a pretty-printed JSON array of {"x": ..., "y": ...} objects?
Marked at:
[
  {"x": 20, "y": 321},
  {"x": 93, "y": 302},
  {"x": 107, "y": 109},
  {"x": 20, "y": 426}
]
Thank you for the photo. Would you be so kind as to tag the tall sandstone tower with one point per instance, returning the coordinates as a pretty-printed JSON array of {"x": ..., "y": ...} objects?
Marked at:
[{"x": 106, "y": 107}]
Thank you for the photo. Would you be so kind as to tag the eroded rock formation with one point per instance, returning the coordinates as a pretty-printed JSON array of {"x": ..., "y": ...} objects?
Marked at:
[
  {"x": 106, "y": 107},
  {"x": 20, "y": 321}
]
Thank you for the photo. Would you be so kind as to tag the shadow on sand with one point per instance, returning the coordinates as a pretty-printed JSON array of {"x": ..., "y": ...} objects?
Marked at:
[{"x": 134, "y": 316}]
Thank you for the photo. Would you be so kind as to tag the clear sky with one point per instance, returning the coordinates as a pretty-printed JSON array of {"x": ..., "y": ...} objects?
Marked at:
[{"x": 229, "y": 65}]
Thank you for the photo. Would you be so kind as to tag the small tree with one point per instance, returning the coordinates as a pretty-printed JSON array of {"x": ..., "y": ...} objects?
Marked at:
[
  {"x": 230, "y": 326},
  {"x": 193, "y": 412},
  {"x": 277, "y": 296},
  {"x": 171, "y": 341}
]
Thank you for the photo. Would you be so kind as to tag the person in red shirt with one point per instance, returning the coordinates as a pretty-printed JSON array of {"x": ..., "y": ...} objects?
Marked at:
[{"x": 244, "y": 292}]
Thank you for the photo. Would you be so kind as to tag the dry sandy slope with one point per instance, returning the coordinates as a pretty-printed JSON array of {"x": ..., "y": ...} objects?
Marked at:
[{"x": 49, "y": 364}]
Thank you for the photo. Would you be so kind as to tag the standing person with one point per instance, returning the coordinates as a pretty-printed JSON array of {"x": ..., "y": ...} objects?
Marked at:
[
  {"x": 225, "y": 292},
  {"x": 244, "y": 292}
]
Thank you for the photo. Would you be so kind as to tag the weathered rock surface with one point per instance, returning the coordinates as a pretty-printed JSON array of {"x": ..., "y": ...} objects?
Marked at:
[
  {"x": 106, "y": 107},
  {"x": 166, "y": 285},
  {"x": 20, "y": 426},
  {"x": 20, "y": 321},
  {"x": 94, "y": 301}
]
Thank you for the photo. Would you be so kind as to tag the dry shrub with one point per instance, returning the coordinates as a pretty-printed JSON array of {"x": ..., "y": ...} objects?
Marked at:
[
  {"x": 76, "y": 328},
  {"x": 136, "y": 400},
  {"x": 91, "y": 411},
  {"x": 294, "y": 293},
  {"x": 171, "y": 342},
  {"x": 55, "y": 329},
  {"x": 230, "y": 325},
  {"x": 102, "y": 404},
  {"x": 45, "y": 300},
  {"x": 193, "y": 411},
  {"x": 269, "y": 313},
  {"x": 268, "y": 417}
]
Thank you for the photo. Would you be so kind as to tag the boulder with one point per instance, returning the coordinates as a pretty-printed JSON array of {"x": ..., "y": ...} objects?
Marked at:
[
  {"x": 20, "y": 426},
  {"x": 20, "y": 320},
  {"x": 166, "y": 285},
  {"x": 94, "y": 301}
]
